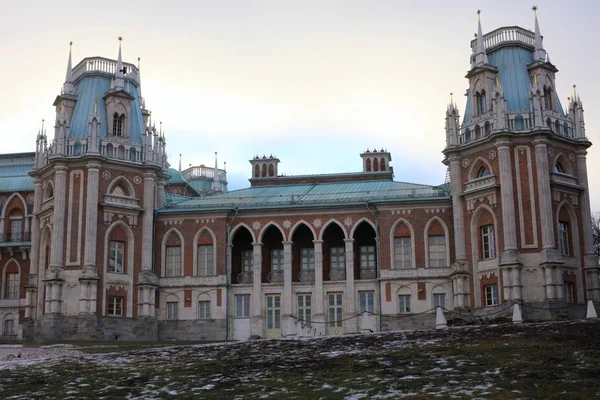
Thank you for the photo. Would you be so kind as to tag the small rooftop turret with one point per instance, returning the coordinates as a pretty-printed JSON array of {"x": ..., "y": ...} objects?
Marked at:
[{"x": 265, "y": 167}]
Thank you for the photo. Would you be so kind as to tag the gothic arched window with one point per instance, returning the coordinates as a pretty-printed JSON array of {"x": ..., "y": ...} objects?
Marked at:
[
  {"x": 256, "y": 171},
  {"x": 271, "y": 170},
  {"x": 487, "y": 128},
  {"x": 118, "y": 124},
  {"x": 548, "y": 98},
  {"x": 482, "y": 103},
  {"x": 483, "y": 171},
  {"x": 519, "y": 123},
  {"x": 559, "y": 168},
  {"x": 375, "y": 164},
  {"x": 368, "y": 164},
  {"x": 382, "y": 164},
  {"x": 477, "y": 132},
  {"x": 264, "y": 170}
]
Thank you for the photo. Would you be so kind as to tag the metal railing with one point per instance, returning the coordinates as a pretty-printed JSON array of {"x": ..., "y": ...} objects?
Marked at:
[{"x": 15, "y": 237}]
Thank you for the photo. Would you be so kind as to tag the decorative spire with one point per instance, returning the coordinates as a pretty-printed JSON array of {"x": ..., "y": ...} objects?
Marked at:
[
  {"x": 540, "y": 53},
  {"x": 68, "y": 86},
  {"x": 180, "y": 162},
  {"x": 498, "y": 81},
  {"x": 480, "y": 54},
  {"x": 216, "y": 185},
  {"x": 139, "y": 88},
  {"x": 119, "y": 73}
]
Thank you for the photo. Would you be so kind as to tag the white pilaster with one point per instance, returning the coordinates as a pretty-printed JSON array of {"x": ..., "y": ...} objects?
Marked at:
[
  {"x": 350, "y": 325},
  {"x": 509, "y": 226},
  {"x": 318, "y": 294},
  {"x": 544, "y": 193},
  {"x": 257, "y": 313},
  {"x": 91, "y": 218},
  {"x": 457, "y": 209},
  {"x": 58, "y": 230},
  {"x": 287, "y": 322}
]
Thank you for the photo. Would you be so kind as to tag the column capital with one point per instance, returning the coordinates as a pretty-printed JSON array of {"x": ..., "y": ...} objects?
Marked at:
[
  {"x": 253, "y": 244},
  {"x": 503, "y": 144},
  {"x": 287, "y": 243},
  {"x": 581, "y": 153},
  {"x": 540, "y": 143},
  {"x": 349, "y": 240},
  {"x": 93, "y": 165},
  {"x": 318, "y": 241}
]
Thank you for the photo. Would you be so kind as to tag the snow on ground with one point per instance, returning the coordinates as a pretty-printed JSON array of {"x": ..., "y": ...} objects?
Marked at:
[{"x": 349, "y": 367}]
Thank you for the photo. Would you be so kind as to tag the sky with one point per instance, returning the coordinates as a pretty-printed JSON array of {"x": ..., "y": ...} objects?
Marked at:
[{"x": 314, "y": 83}]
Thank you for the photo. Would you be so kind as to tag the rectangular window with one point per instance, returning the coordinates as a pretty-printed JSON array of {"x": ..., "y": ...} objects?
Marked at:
[
  {"x": 491, "y": 294},
  {"x": 9, "y": 327},
  {"x": 487, "y": 242},
  {"x": 173, "y": 261},
  {"x": 242, "y": 306},
  {"x": 570, "y": 292},
  {"x": 172, "y": 309},
  {"x": 273, "y": 311},
  {"x": 116, "y": 256},
  {"x": 307, "y": 259},
  {"x": 12, "y": 286},
  {"x": 402, "y": 253},
  {"x": 305, "y": 309},
  {"x": 115, "y": 306},
  {"x": 563, "y": 238},
  {"x": 366, "y": 300},
  {"x": 337, "y": 259},
  {"x": 16, "y": 233},
  {"x": 437, "y": 251},
  {"x": 404, "y": 303},
  {"x": 205, "y": 260},
  {"x": 204, "y": 309},
  {"x": 247, "y": 261},
  {"x": 335, "y": 309},
  {"x": 367, "y": 257},
  {"x": 439, "y": 300},
  {"x": 277, "y": 260}
]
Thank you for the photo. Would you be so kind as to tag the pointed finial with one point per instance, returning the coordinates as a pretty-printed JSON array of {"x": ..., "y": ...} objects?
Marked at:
[
  {"x": 534, "y": 8},
  {"x": 481, "y": 56},
  {"x": 479, "y": 15},
  {"x": 451, "y": 99},
  {"x": 160, "y": 130},
  {"x": 68, "y": 86},
  {"x": 120, "y": 39},
  {"x": 535, "y": 79},
  {"x": 574, "y": 92},
  {"x": 139, "y": 58},
  {"x": 540, "y": 53},
  {"x": 42, "y": 125},
  {"x": 497, "y": 81}
]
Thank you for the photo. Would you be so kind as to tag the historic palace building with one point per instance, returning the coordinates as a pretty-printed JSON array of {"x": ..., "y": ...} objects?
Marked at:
[{"x": 101, "y": 239}]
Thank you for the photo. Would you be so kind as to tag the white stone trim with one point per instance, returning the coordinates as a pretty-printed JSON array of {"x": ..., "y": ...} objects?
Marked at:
[
  {"x": 4, "y": 269},
  {"x": 269, "y": 224},
  {"x": 74, "y": 174},
  {"x": 297, "y": 225},
  {"x": 522, "y": 212},
  {"x": 332, "y": 221},
  {"x": 236, "y": 228},
  {"x": 476, "y": 165},
  {"x": 5, "y": 207},
  {"x": 357, "y": 223},
  {"x": 123, "y": 181}
]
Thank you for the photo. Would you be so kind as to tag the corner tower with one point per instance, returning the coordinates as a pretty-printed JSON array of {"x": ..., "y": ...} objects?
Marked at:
[
  {"x": 518, "y": 177},
  {"x": 97, "y": 183}
]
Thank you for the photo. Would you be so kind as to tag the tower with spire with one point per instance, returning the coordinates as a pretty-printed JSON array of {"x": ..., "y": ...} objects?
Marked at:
[
  {"x": 518, "y": 179},
  {"x": 100, "y": 179}
]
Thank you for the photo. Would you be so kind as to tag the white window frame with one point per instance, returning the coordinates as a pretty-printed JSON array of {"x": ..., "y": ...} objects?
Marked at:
[
  {"x": 366, "y": 301},
  {"x": 569, "y": 292},
  {"x": 115, "y": 306},
  {"x": 116, "y": 257},
  {"x": 16, "y": 229},
  {"x": 8, "y": 327},
  {"x": 436, "y": 300},
  {"x": 488, "y": 243},
  {"x": 242, "y": 306},
  {"x": 206, "y": 260},
  {"x": 172, "y": 313},
  {"x": 335, "y": 309},
  {"x": 11, "y": 289},
  {"x": 277, "y": 260},
  {"x": 563, "y": 238},
  {"x": 404, "y": 306},
  {"x": 307, "y": 259},
  {"x": 490, "y": 293},
  {"x": 204, "y": 309},
  {"x": 337, "y": 258},
  {"x": 437, "y": 251},
  {"x": 304, "y": 302},
  {"x": 247, "y": 260},
  {"x": 367, "y": 257},
  {"x": 173, "y": 261},
  {"x": 402, "y": 253}
]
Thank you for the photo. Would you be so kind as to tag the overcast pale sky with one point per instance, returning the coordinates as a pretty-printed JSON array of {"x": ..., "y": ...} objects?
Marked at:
[{"x": 313, "y": 82}]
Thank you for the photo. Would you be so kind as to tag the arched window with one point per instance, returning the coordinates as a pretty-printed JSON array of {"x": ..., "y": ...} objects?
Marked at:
[
  {"x": 557, "y": 127},
  {"x": 482, "y": 103},
  {"x": 368, "y": 164},
  {"x": 375, "y": 164},
  {"x": 566, "y": 129},
  {"x": 77, "y": 148},
  {"x": 467, "y": 135},
  {"x": 549, "y": 123},
  {"x": 382, "y": 164},
  {"x": 256, "y": 171},
  {"x": 119, "y": 191},
  {"x": 264, "y": 170},
  {"x": 109, "y": 150},
  {"x": 132, "y": 154},
  {"x": 519, "y": 123},
  {"x": 487, "y": 128},
  {"x": 483, "y": 171},
  {"x": 121, "y": 152},
  {"x": 548, "y": 98},
  {"x": 477, "y": 103},
  {"x": 477, "y": 132},
  {"x": 559, "y": 168},
  {"x": 118, "y": 124},
  {"x": 271, "y": 170}
]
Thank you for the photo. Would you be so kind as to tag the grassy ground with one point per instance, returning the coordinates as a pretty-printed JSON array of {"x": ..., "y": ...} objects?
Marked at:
[{"x": 540, "y": 361}]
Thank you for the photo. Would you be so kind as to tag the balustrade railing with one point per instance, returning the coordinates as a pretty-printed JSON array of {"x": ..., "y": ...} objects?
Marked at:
[
  {"x": 368, "y": 273},
  {"x": 245, "y": 277},
  {"x": 563, "y": 178},
  {"x": 103, "y": 65},
  {"x": 337, "y": 274},
  {"x": 19, "y": 237},
  {"x": 307, "y": 275},
  {"x": 481, "y": 183},
  {"x": 275, "y": 276},
  {"x": 508, "y": 34}
]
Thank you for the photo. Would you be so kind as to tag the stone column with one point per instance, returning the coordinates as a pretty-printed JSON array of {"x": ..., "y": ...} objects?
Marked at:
[
  {"x": 549, "y": 278},
  {"x": 31, "y": 285},
  {"x": 83, "y": 296},
  {"x": 590, "y": 262},
  {"x": 257, "y": 313},
  {"x": 509, "y": 258},
  {"x": 89, "y": 274},
  {"x": 457, "y": 210},
  {"x": 317, "y": 301},
  {"x": 2, "y": 231},
  {"x": 287, "y": 321},
  {"x": 58, "y": 230},
  {"x": 148, "y": 281},
  {"x": 559, "y": 283},
  {"x": 545, "y": 199},
  {"x": 350, "y": 325}
]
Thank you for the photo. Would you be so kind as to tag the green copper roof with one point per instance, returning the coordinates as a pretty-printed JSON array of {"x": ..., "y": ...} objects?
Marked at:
[
  {"x": 14, "y": 172},
  {"x": 310, "y": 195}
]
